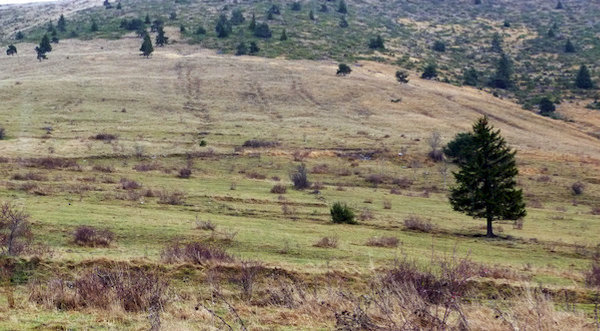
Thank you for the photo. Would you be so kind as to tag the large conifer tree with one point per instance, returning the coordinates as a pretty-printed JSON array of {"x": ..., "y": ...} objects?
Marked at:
[
  {"x": 583, "y": 79},
  {"x": 485, "y": 185},
  {"x": 147, "y": 48}
]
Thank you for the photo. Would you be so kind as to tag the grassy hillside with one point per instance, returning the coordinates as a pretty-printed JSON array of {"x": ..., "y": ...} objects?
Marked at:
[{"x": 95, "y": 119}]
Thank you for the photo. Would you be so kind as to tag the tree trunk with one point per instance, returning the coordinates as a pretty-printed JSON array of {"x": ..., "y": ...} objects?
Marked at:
[{"x": 490, "y": 231}]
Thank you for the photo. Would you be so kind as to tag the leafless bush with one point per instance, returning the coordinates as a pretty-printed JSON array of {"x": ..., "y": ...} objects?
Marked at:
[
  {"x": 403, "y": 182},
  {"x": 255, "y": 143},
  {"x": 205, "y": 225},
  {"x": 300, "y": 178},
  {"x": 248, "y": 274},
  {"x": 184, "y": 173},
  {"x": 416, "y": 223},
  {"x": 30, "y": 176},
  {"x": 366, "y": 215},
  {"x": 387, "y": 204},
  {"x": 255, "y": 175},
  {"x": 132, "y": 289},
  {"x": 375, "y": 179},
  {"x": 595, "y": 211},
  {"x": 279, "y": 189},
  {"x": 578, "y": 188},
  {"x": 196, "y": 253},
  {"x": 317, "y": 186},
  {"x": 129, "y": 195},
  {"x": 171, "y": 198},
  {"x": 327, "y": 242},
  {"x": 50, "y": 163},
  {"x": 93, "y": 237},
  {"x": 383, "y": 242},
  {"x": 592, "y": 276},
  {"x": 128, "y": 184},
  {"x": 15, "y": 233},
  {"x": 143, "y": 167},
  {"x": 395, "y": 191},
  {"x": 435, "y": 141},
  {"x": 106, "y": 137},
  {"x": 101, "y": 168},
  {"x": 544, "y": 179}
]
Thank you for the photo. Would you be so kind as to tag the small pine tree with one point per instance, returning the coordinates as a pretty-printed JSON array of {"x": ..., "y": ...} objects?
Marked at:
[
  {"x": 161, "y": 39},
  {"x": 341, "y": 213},
  {"x": 471, "y": 77},
  {"x": 506, "y": 23},
  {"x": 274, "y": 10},
  {"x": 50, "y": 26},
  {"x": 12, "y": 50},
  {"x": 551, "y": 33},
  {"x": 402, "y": 76},
  {"x": 496, "y": 43},
  {"x": 503, "y": 77},
  {"x": 559, "y": 5},
  {"x": 439, "y": 46},
  {"x": 200, "y": 30},
  {"x": 296, "y": 6},
  {"x": 546, "y": 106},
  {"x": 477, "y": 2},
  {"x": 270, "y": 16},
  {"x": 119, "y": 6},
  {"x": 173, "y": 16},
  {"x": 147, "y": 19},
  {"x": 342, "y": 8},
  {"x": 343, "y": 70},
  {"x": 252, "y": 24},
  {"x": 262, "y": 31},
  {"x": 62, "y": 23},
  {"x": 430, "y": 71},
  {"x": 45, "y": 46},
  {"x": 311, "y": 15},
  {"x": 283, "y": 36},
  {"x": 323, "y": 8},
  {"x": 182, "y": 28},
  {"x": 583, "y": 79},
  {"x": 241, "y": 49},
  {"x": 569, "y": 47},
  {"x": 19, "y": 35},
  {"x": 223, "y": 27},
  {"x": 237, "y": 17},
  {"x": 376, "y": 43},
  {"x": 254, "y": 48},
  {"x": 147, "y": 48},
  {"x": 343, "y": 22},
  {"x": 486, "y": 185},
  {"x": 94, "y": 26}
]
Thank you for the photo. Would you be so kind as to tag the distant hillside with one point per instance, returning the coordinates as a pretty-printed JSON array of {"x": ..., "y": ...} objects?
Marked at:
[{"x": 533, "y": 33}]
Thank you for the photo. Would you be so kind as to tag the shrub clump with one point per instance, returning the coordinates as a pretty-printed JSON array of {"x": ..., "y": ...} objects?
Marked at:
[
  {"x": 578, "y": 188},
  {"x": 383, "y": 242},
  {"x": 92, "y": 237},
  {"x": 341, "y": 213},
  {"x": 128, "y": 184},
  {"x": 416, "y": 223},
  {"x": 196, "y": 253},
  {"x": 171, "y": 198},
  {"x": 107, "y": 137},
  {"x": 300, "y": 178},
  {"x": 184, "y": 173},
  {"x": 255, "y": 143},
  {"x": 279, "y": 189},
  {"x": 327, "y": 242}
]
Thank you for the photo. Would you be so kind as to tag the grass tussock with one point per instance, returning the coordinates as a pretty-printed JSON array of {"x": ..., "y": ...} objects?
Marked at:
[
  {"x": 388, "y": 242},
  {"x": 93, "y": 237},
  {"x": 195, "y": 253},
  {"x": 327, "y": 242},
  {"x": 416, "y": 223}
]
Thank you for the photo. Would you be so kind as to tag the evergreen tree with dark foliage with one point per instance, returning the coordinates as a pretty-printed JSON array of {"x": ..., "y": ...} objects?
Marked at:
[
  {"x": 401, "y": 76},
  {"x": 471, "y": 77},
  {"x": 439, "y": 46},
  {"x": 262, "y": 31},
  {"x": 253, "y": 48},
  {"x": 19, "y": 36},
  {"x": 546, "y": 106},
  {"x": 200, "y": 30},
  {"x": 54, "y": 37},
  {"x": 559, "y": 5},
  {"x": 497, "y": 43},
  {"x": 161, "y": 39},
  {"x": 45, "y": 46},
  {"x": 12, "y": 50},
  {"x": 241, "y": 49},
  {"x": 583, "y": 80},
  {"x": 477, "y": 2},
  {"x": 503, "y": 77},
  {"x": 376, "y": 43},
  {"x": 343, "y": 22},
  {"x": 223, "y": 27},
  {"x": 252, "y": 24},
  {"x": 147, "y": 19},
  {"x": 323, "y": 8},
  {"x": 342, "y": 8},
  {"x": 274, "y": 10},
  {"x": 147, "y": 48},
  {"x": 459, "y": 150},
  {"x": 343, "y": 70},
  {"x": 237, "y": 17},
  {"x": 296, "y": 6},
  {"x": 283, "y": 36},
  {"x": 94, "y": 26},
  {"x": 61, "y": 25},
  {"x": 311, "y": 15},
  {"x": 119, "y": 6},
  {"x": 485, "y": 185},
  {"x": 430, "y": 71},
  {"x": 569, "y": 47},
  {"x": 50, "y": 26}
]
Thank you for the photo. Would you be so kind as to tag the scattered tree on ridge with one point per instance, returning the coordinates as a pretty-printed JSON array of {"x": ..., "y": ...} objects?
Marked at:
[
  {"x": 343, "y": 70},
  {"x": 583, "y": 80},
  {"x": 147, "y": 48},
  {"x": 161, "y": 39},
  {"x": 62, "y": 23}
]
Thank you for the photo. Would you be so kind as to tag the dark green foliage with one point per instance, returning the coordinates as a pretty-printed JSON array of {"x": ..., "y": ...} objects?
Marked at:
[
  {"x": 477, "y": 2},
  {"x": 252, "y": 24},
  {"x": 50, "y": 26},
  {"x": 107, "y": 4},
  {"x": 296, "y": 6},
  {"x": 94, "y": 27},
  {"x": 173, "y": 16},
  {"x": 402, "y": 76},
  {"x": 241, "y": 49},
  {"x": 254, "y": 48},
  {"x": 583, "y": 79},
  {"x": 300, "y": 178},
  {"x": 485, "y": 185},
  {"x": 460, "y": 148},
  {"x": 161, "y": 39},
  {"x": 119, "y": 5},
  {"x": 343, "y": 70},
  {"x": 274, "y": 10},
  {"x": 341, "y": 213},
  {"x": 61, "y": 25},
  {"x": 376, "y": 43},
  {"x": 503, "y": 76},
  {"x": 497, "y": 43},
  {"x": 471, "y": 77},
  {"x": 134, "y": 24},
  {"x": 506, "y": 23},
  {"x": 324, "y": 8},
  {"x": 342, "y": 8},
  {"x": 157, "y": 23},
  {"x": 147, "y": 19},
  {"x": 559, "y": 5},
  {"x": 45, "y": 46},
  {"x": 19, "y": 36},
  {"x": 311, "y": 15},
  {"x": 237, "y": 17},
  {"x": 54, "y": 37},
  {"x": 551, "y": 33},
  {"x": 182, "y": 28},
  {"x": 569, "y": 47},
  {"x": 430, "y": 71},
  {"x": 269, "y": 16},
  {"x": 146, "y": 48},
  {"x": 439, "y": 46},
  {"x": 223, "y": 27},
  {"x": 546, "y": 106},
  {"x": 12, "y": 50},
  {"x": 343, "y": 22},
  {"x": 262, "y": 31},
  {"x": 200, "y": 30},
  {"x": 283, "y": 36}
]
